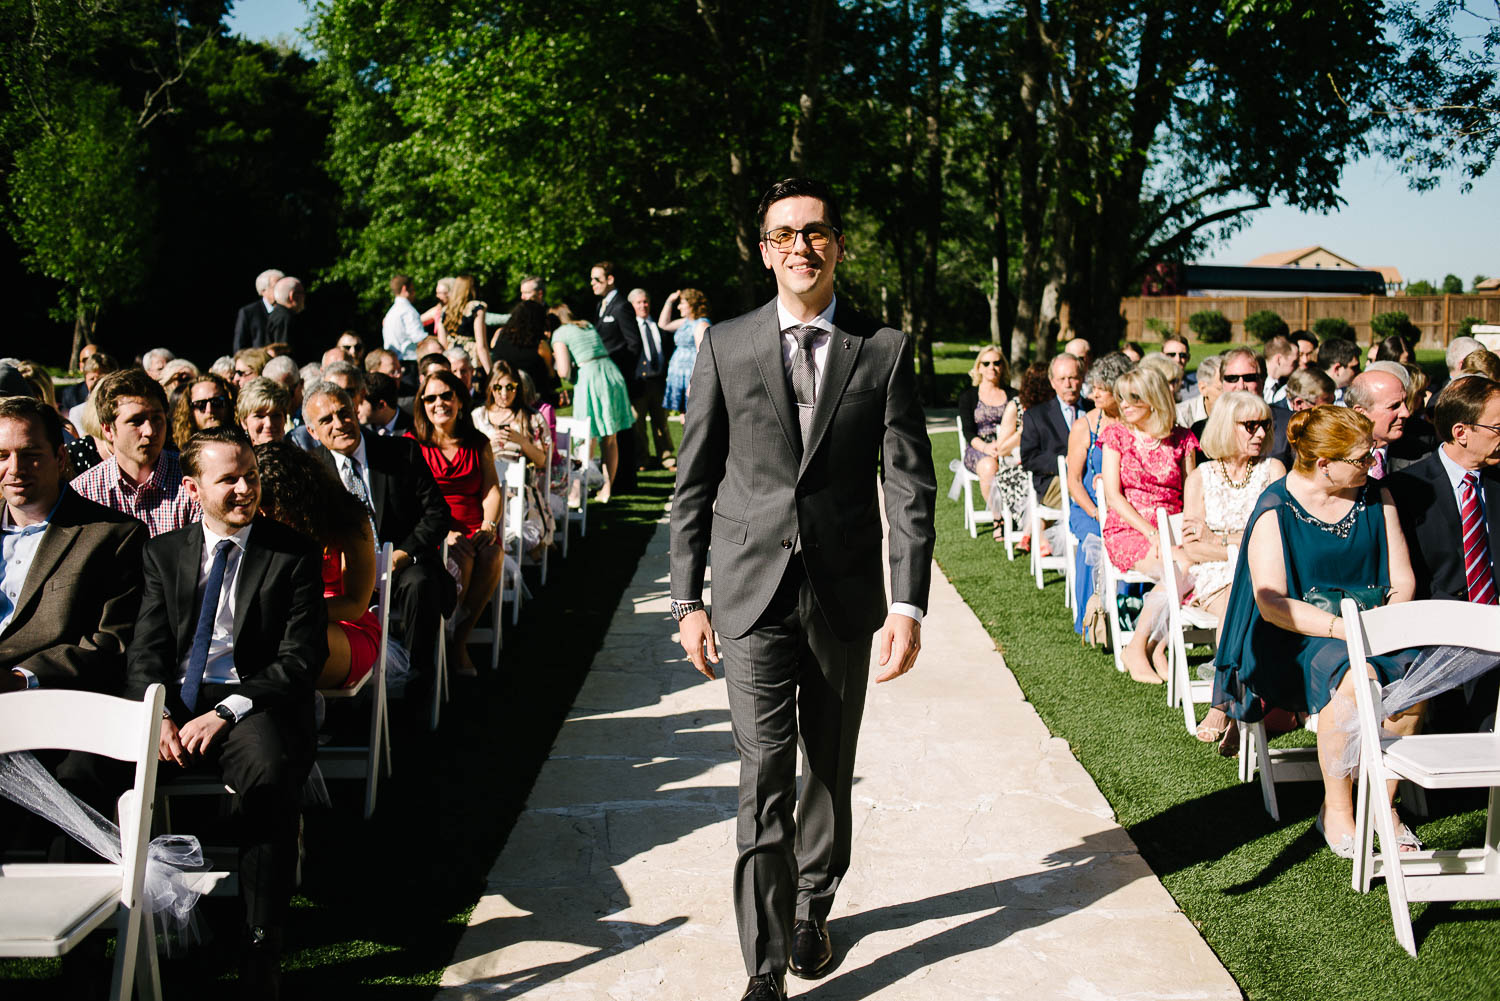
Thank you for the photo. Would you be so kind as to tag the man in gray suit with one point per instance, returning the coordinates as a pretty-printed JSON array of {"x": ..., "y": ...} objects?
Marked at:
[{"x": 797, "y": 406}]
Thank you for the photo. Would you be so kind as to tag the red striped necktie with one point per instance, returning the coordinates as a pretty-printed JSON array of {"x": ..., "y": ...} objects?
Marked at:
[{"x": 1477, "y": 572}]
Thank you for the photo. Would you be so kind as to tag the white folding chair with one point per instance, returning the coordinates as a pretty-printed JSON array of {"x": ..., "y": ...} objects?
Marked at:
[
  {"x": 439, "y": 662},
  {"x": 1070, "y": 544},
  {"x": 577, "y": 428},
  {"x": 1431, "y": 761},
  {"x": 1112, "y": 577},
  {"x": 46, "y": 909},
  {"x": 563, "y": 446},
  {"x": 1184, "y": 626},
  {"x": 355, "y": 761},
  {"x": 1039, "y": 516},
  {"x": 964, "y": 483},
  {"x": 513, "y": 481}
]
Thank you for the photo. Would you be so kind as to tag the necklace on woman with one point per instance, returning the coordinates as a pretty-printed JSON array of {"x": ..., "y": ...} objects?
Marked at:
[{"x": 1249, "y": 472}]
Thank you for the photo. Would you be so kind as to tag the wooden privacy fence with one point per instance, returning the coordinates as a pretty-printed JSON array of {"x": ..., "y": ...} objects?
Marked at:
[{"x": 1436, "y": 316}]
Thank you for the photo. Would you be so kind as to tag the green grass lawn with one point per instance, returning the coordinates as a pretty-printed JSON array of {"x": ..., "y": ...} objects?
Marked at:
[{"x": 1271, "y": 900}]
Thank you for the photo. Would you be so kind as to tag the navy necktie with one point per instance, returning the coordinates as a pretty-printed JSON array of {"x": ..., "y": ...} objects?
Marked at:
[{"x": 207, "y": 612}]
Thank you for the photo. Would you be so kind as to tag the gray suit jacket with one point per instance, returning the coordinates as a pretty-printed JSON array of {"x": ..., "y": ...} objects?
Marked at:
[{"x": 746, "y": 486}]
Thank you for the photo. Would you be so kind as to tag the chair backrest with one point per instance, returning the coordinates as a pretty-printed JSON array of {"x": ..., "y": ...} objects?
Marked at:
[
  {"x": 959, "y": 423},
  {"x": 1430, "y": 623},
  {"x": 383, "y": 557},
  {"x": 1067, "y": 501}
]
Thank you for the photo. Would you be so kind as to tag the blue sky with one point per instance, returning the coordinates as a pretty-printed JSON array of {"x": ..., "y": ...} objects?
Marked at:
[{"x": 1424, "y": 235}]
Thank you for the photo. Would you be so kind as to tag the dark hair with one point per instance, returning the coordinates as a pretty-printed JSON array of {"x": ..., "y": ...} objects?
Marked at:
[
  {"x": 28, "y": 408},
  {"x": 1337, "y": 351},
  {"x": 116, "y": 386},
  {"x": 399, "y": 282},
  {"x": 801, "y": 187},
  {"x": 1136, "y": 346},
  {"x": 1462, "y": 402},
  {"x": 1302, "y": 335},
  {"x": 1036, "y": 387},
  {"x": 224, "y": 434},
  {"x": 183, "y": 425},
  {"x": 505, "y": 368},
  {"x": 381, "y": 388},
  {"x": 432, "y": 358},
  {"x": 526, "y": 325},
  {"x": 1392, "y": 348},
  {"x": 422, "y": 428},
  {"x": 302, "y": 493},
  {"x": 607, "y": 266}
]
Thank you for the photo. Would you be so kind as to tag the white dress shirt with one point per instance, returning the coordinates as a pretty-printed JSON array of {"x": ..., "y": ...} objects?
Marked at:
[
  {"x": 401, "y": 330},
  {"x": 18, "y": 548},
  {"x": 652, "y": 360},
  {"x": 1456, "y": 474},
  {"x": 346, "y": 471},
  {"x": 219, "y": 668}
]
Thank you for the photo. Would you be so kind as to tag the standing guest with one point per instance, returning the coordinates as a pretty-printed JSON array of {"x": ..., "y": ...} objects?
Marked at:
[
  {"x": 1044, "y": 435},
  {"x": 518, "y": 433},
  {"x": 1179, "y": 351},
  {"x": 1324, "y": 525},
  {"x": 1307, "y": 388},
  {"x": 980, "y": 409},
  {"x": 390, "y": 477},
  {"x": 353, "y": 347},
  {"x": 301, "y": 493},
  {"x": 239, "y": 682},
  {"x": 208, "y": 402},
  {"x": 70, "y": 578},
  {"x": 1340, "y": 359},
  {"x": 521, "y": 342},
  {"x": 687, "y": 332},
  {"x": 281, "y": 326},
  {"x": 1147, "y": 458},
  {"x": 462, "y": 366},
  {"x": 432, "y": 317},
  {"x": 1381, "y": 398},
  {"x": 401, "y": 329},
  {"x": 140, "y": 478},
  {"x": 262, "y": 410},
  {"x": 533, "y": 289},
  {"x": 1394, "y": 348},
  {"x": 1281, "y": 362},
  {"x": 95, "y": 368},
  {"x": 650, "y": 384},
  {"x": 379, "y": 413},
  {"x": 621, "y": 336},
  {"x": 799, "y": 593},
  {"x": 1085, "y": 464},
  {"x": 464, "y": 322},
  {"x": 463, "y": 466},
  {"x": 249, "y": 364},
  {"x": 155, "y": 360},
  {"x": 1307, "y": 348},
  {"x": 599, "y": 392},
  {"x": 1198, "y": 406},
  {"x": 250, "y": 324}
]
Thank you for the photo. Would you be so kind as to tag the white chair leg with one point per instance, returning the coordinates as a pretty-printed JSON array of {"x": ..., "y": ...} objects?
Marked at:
[
  {"x": 1267, "y": 771},
  {"x": 127, "y": 951},
  {"x": 1364, "y": 834}
]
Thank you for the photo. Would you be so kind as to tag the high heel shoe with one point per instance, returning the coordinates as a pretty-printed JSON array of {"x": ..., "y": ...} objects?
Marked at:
[{"x": 1345, "y": 846}]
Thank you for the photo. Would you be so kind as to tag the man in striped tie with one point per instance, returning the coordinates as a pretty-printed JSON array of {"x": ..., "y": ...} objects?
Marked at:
[{"x": 1449, "y": 503}]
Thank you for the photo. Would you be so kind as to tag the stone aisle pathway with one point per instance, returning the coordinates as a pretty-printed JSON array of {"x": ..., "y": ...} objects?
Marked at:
[{"x": 986, "y": 863}]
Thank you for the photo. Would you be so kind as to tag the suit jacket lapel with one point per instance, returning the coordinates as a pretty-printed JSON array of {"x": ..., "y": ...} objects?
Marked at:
[
  {"x": 56, "y": 541},
  {"x": 253, "y": 564},
  {"x": 1491, "y": 487},
  {"x": 189, "y": 559},
  {"x": 843, "y": 351},
  {"x": 773, "y": 376}
]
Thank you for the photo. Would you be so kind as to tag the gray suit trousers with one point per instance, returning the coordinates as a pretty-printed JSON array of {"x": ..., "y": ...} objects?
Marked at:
[{"x": 791, "y": 681}]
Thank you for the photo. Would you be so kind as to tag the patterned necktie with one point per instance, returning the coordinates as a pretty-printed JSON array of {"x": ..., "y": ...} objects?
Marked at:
[
  {"x": 1377, "y": 468},
  {"x": 805, "y": 377},
  {"x": 1477, "y": 571},
  {"x": 208, "y": 610},
  {"x": 354, "y": 481}
]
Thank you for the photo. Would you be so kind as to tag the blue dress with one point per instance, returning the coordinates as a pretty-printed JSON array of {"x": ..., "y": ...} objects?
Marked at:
[
  {"x": 1082, "y": 526},
  {"x": 680, "y": 367},
  {"x": 1260, "y": 666}
]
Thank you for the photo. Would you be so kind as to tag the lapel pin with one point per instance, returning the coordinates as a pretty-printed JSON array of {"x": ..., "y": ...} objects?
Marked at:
[{"x": 846, "y": 342}]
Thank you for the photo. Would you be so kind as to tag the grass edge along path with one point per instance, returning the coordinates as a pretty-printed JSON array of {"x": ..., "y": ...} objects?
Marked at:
[{"x": 1269, "y": 898}]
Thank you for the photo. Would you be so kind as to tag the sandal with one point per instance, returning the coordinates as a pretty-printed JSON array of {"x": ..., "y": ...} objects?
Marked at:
[
  {"x": 1229, "y": 746},
  {"x": 1210, "y": 734},
  {"x": 1345, "y": 846}
]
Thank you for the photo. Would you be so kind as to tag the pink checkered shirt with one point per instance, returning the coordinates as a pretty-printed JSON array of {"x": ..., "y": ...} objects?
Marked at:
[{"x": 161, "y": 503}]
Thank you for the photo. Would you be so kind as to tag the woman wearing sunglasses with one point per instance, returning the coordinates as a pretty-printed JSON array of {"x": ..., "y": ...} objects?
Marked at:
[
  {"x": 981, "y": 408},
  {"x": 463, "y": 465},
  {"x": 207, "y": 402}
]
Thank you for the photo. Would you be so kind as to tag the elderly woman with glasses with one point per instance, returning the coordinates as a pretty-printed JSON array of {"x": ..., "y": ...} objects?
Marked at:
[
  {"x": 1324, "y": 525},
  {"x": 981, "y": 409},
  {"x": 207, "y": 402}
]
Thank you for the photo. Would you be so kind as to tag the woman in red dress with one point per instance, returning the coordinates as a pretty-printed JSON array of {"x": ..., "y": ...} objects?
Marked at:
[
  {"x": 298, "y": 491},
  {"x": 461, "y": 461}
]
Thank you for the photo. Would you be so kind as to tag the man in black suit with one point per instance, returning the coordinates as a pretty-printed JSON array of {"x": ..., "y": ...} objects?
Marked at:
[
  {"x": 250, "y": 324},
  {"x": 380, "y": 412},
  {"x": 1381, "y": 397},
  {"x": 232, "y": 622},
  {"x": 391, "y": 477},
  {"x": 281, "y": 323},
  {"x": 1044, "y": 433},
  {"x": 1449, "y": 503},
  {"x": 622, "y": 339},
  {"x": 650, "y": 384}
]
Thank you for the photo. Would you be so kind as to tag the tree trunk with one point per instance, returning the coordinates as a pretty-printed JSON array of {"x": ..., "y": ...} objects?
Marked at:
[
  {"x": 1028, "y": 161},
  {"x": 746, "y": 237},
  {"x": 83, "y": 330},
  {"x": 814, "y": 66},
  {"x": 933, "y": 201}
]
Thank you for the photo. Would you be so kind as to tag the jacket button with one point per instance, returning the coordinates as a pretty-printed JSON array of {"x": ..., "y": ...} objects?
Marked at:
[{"x": 786, "y": 543}]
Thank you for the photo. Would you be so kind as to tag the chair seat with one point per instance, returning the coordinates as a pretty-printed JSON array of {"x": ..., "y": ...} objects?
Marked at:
[
  {"x": 1198, "y": 618},
  {"x": 1440, "y": 759},
  {"x": 1048, "y": 513},
  {"x": 38, "y": 916}
]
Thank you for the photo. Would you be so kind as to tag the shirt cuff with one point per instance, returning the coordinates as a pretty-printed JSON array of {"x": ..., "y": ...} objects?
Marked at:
[
  {"x": 238, "y": 705},
  {"x": 908, "y": 610},
  {"x": 31, "y": 679}
]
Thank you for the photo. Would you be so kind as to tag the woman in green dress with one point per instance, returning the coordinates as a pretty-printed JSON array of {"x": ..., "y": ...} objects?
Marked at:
[
  {"x": 1325, "y": 525},
  {"x": 599, "y": 393}
]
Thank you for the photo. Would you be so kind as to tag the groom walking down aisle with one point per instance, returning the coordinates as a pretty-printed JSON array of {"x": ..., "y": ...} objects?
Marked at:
[{"x": 797, "y": 406}]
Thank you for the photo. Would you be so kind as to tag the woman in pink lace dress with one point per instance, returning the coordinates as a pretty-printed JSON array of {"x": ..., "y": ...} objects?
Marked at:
[{"x": 1146, "y": 461}]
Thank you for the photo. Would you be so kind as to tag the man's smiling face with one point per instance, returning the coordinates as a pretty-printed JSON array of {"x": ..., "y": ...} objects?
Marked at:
[{"x": 801, "y": 270}]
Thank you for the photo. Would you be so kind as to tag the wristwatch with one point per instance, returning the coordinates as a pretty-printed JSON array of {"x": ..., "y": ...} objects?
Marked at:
[
  {"x": 682, "y": 609},
  {"x": 224, "y": 713}
]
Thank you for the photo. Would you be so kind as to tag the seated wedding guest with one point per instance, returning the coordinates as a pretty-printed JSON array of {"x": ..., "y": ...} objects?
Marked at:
[
  {"x": 381, "y": 360},
  {"x": 558, "y": 486},
  {"x": 599, "y": 392},
  {"x": 1394, "y": 348},
  {"x": 463, "y": 466},
  {"x": 1085, "y": 463},
  {"x": 1419, "y": 397},
  {"x": 1307, "y": 388},
  {"x": 72, "y": 395},
  {"x": 1147, "y": 458},
  {"x": 1458, "y": 349},
  {"x": 687, "y": 332},
  {"x": 522, "y": 343},
  {"x": 1324, "y": 525},
  {"x": 89, "y": 448},
  {"x": 1181, "y": 352},
  {"x": 1197, "y": 408},
  {"x": 353, "y": 347},
  {"x": 461, "y": 365},
  {"x": 1418, "y": 438},
  {"x": 95, "y": 367},
  {"x": 42, "y": 388},
  {"x": 302, "y": 493},
  {"x": 1339, "y": 358},
  {"x": 238, "y": 654},
  {"x": 1307, "y": 348},
  {"x": 1170, "y": 372},
  {"x": 1381, "y": 397},
  {"x": 1281, "y": 362},
  {"x": 1216, "y": 503},
  {"x": 223, "y": 367},
  {"x": 1241, "y": 369},
  {"x": 517, "y": 432},
  {"x": 980, "y": 408},
  {"x": 70, "y": 580},
  {"x": 283, "y": 370},
  {"x": 155, "y": 360},
  {"x": 141, "y": 478},
  {"x": 348, "y": 377},
  {"x": 1008, "y": 491},
  {"x": 332, "y": 355},
  {"x": 208, "y": 402},
  {"x": 176, "y": 375},
  {"x": 262, "y": 410},
  {"x": 390, "y": 477},
  {"x": 1482, "y": 362},
  {"x": 1133, "y": 350},
  {"x": 431, "y": 361},
  {"x": 379, "y": 412},
  {"x": 1044, "y": 434},
  {"x": 249, "y": 363}
]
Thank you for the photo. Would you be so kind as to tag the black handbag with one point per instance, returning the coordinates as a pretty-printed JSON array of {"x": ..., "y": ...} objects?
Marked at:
[{"x": 1330, "y": 598}]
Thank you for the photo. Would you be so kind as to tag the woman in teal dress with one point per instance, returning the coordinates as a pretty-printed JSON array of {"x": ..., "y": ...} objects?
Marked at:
[
  {"x": 1325, "y": 525},
  {"x": 599, "y": 393}
]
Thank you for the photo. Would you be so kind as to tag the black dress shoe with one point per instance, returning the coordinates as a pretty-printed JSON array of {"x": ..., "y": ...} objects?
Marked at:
[
  {"x": 765, "y": 987},
  {"x": 812, "y": 949},
  {"x": 260, "y": 970}
]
